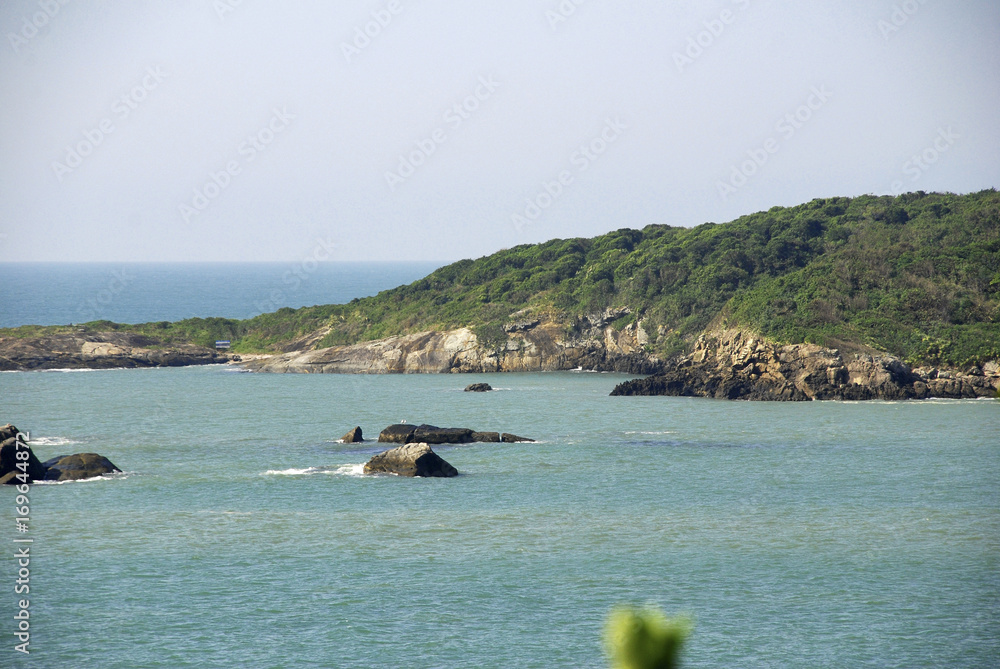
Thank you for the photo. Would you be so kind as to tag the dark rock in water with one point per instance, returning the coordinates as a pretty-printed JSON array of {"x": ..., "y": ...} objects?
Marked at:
[
  {"x": 410, "y": 460},
  {"x": 78, "y": 466},
  {"x": 397, "y": 434},
  {"x": 426, "y": 434},
  {"x": 353, "y": 437},
  {"x": 478, "y": 388},
  {"x": 508, "y": 438},
  {"x": 8, "y": 459},
  {"x": 486, "y": 437},
  {"x": 431, "y": 434}
]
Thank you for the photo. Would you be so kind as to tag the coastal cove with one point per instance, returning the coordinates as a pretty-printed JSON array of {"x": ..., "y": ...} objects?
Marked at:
[{"x": 241, "y": 531}]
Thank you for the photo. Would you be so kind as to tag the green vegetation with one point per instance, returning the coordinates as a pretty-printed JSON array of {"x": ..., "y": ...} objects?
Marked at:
[
  {"x": 644, "y": 639},
  {"x": 916, "y": 275}
]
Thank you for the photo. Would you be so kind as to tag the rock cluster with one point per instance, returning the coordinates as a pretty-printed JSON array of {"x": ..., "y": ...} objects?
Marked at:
[
  {"x": 415, "y": 457},
  {"x": 402, "y": 433},
  {"x": 61, "y": 468},
  {"x": 734, "y": 364}
]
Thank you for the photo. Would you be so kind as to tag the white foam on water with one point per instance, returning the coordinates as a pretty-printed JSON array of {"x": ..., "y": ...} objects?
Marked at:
[
  {"x": 67, "y": 371},
  {"x": 291, "y": 472},
  {"x": 51, "y": 441},
  {"x": 649, "y": 432},
  {"x": 342, "y": 470},
  {"x": 103, "y": 477},
  {"x": 350, "y": 470}
]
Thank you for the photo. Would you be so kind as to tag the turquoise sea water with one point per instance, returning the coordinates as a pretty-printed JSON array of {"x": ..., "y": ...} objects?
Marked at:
[
  {"x": 65, "y": 293},
  {"x": 797, "y": 535}
]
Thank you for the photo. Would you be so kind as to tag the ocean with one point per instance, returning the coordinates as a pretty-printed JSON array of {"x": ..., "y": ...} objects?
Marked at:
[
  {"x": 241, "y": 533},
  {"x": 67, "y": 293}
]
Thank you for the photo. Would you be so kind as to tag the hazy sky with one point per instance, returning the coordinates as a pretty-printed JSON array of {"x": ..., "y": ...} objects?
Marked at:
[{"x": 422, "y": 129}]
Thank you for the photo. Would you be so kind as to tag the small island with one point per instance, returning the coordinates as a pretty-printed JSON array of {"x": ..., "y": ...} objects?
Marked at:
[{"x": 871, "y": 297}]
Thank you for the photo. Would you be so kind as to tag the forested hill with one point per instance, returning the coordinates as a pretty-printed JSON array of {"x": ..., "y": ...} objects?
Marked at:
[{"x": 917, "y": 276}]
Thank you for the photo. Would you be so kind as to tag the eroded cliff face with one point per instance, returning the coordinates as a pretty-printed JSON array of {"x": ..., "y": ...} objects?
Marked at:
[
  {"x": 735, "y": 364},
  {"x": 531, "y": 345}
]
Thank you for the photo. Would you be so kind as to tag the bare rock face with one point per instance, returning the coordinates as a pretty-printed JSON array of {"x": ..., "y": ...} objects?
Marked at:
[
  {"x": 79, "y": 466},
  {"x": 353, "y": 437},
  {"x": 530, "y": 345},
  {"x": 410, "y": 460},
  {"x": 734, "y": 364}
]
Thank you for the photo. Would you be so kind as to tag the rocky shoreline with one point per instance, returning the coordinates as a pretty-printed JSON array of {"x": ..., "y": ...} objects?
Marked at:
[
  {"x": 725, "y": 363},
  {"x": 737, "y": 365},
  {"x": 99, "y": 350},
  {"x": 535, "y": 345}
]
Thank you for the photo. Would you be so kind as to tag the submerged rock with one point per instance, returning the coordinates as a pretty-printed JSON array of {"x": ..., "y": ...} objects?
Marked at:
[
  {"x": 78, "y": 466},
  {"x": 508, "y": 438},
  {"x": 410, "y": 460},
  {"x": 353, "y": 437},
  {"x": 478, "y": 388}
]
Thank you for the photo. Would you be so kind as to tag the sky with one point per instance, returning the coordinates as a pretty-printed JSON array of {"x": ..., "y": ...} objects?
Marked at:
[{"x": 253, "y": 130}]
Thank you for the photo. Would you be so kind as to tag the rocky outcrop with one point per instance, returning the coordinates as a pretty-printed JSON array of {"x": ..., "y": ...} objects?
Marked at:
[
  {"x": 535, "y": 345},
  {"x": 478, "y": 388},
  {"x": 401, "y": 433},
  {"x": 99, "y": 350},
  {"x": 76, "y": 467},
  {"x": 508, "y": 438},
  {"x": 410, "y": 460},
  {"x": 353, "y": 437},
  {"x": 735, "y": 364},
  {"x": 61, "y": 468},
  {"x": 9, "y": 470}
]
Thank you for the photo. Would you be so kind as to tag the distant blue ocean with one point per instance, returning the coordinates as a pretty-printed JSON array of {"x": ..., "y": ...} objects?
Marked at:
[{"x": 65, "y": 293}]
